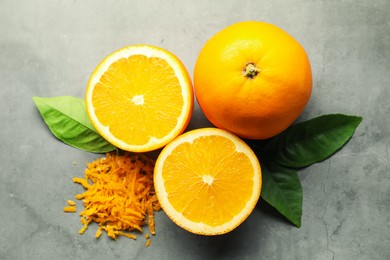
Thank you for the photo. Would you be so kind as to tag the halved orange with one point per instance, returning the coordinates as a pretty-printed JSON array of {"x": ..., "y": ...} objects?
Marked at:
[
  {"x": 139, "y": 98},
  {"x": 207, "y": 181}
]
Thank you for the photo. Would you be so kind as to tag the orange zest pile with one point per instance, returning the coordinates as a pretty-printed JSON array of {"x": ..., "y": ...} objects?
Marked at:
[{"x": 119, "y": 195}]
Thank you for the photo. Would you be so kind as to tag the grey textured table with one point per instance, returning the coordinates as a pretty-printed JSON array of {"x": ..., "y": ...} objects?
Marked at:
[{"x": 49, "y": 48}]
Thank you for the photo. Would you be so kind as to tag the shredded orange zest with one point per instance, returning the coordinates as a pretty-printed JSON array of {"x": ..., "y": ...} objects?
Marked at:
[
  {"x": 129, "y": 235},
  {"x": 70, "y": 209},
  {"x": 71, "y": 203},
  {"x": 99, "y": 231},
  {"x": 147, "y": 243},
  {"x": 119, "y": 195},
  {"x": 151, "y": 218},
  {"x": 82, "y": 181},
  {"x": 79, "y": 196}
]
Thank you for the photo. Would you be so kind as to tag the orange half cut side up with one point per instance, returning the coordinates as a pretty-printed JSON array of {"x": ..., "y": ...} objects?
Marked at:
[
  {"x": 139, "y": 98},
  {"x": 207, "y": 181}
]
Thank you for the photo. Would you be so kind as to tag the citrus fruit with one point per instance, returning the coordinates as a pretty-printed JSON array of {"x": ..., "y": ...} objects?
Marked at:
[
  {"x": 253, "y": 79},
  {"x": 207, "y": 181},
  {"x": 139, "y": 98}
]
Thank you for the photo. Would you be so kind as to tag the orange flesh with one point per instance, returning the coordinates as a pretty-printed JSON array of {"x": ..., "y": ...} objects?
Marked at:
[
  {"x": 217, "y": 189},
  {"x": 138, "y": 86}
]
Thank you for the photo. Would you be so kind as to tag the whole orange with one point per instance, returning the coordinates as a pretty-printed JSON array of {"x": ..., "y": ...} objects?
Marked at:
[{"x": 252, "y": 79}]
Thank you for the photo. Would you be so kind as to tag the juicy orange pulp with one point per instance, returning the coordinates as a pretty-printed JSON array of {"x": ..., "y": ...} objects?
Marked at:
[
  {"x": 140, "y": 98},
  {"x": 207, "y": 181}
]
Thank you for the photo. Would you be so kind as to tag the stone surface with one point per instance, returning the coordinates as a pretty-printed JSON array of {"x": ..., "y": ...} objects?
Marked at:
[{"x": 49, "y": 48}]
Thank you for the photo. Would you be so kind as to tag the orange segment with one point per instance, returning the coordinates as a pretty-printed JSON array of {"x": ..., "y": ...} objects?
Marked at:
[
  {"x": 139, "y": 98},
  {"x": 207, "y": 181}
]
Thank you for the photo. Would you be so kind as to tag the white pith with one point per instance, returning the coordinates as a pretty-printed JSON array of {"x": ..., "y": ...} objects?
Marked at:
[{"x": 138, "y": 100}]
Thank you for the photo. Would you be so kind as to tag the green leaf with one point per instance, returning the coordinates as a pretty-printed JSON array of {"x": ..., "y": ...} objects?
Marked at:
[
  {"x": 282, "y": 190},
  {"x": 67, "y": 119},
  {"x": 312, "y": 141}
]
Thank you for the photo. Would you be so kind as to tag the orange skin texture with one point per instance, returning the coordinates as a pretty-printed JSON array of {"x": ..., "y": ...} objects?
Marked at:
[{"x": 261, "y": 106}]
